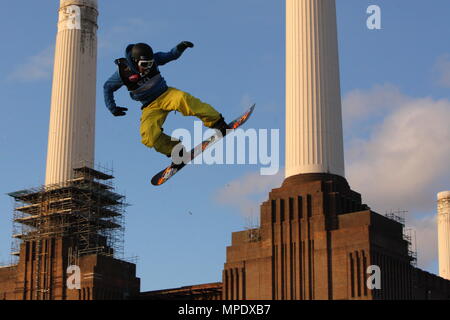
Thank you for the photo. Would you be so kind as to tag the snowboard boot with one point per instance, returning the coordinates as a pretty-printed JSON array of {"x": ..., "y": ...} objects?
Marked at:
[{"x": 221, "y": 125}]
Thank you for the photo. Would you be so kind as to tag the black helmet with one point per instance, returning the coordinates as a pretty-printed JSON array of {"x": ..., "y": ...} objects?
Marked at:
[{"x": 141, "y": 51}]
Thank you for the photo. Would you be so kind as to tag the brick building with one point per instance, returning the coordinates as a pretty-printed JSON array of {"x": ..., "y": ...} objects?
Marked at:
[
  {"x": 77, "y": 223},
  {"x": 316, "y": 241}
]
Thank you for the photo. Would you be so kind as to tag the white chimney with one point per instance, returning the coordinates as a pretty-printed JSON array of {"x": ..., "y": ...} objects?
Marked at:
[
  {"x": 72, "y": 115},
  {"x": 314, "y": 138}
]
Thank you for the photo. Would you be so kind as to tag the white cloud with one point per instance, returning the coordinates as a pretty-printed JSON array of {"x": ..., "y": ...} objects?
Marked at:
[
  {"x": 362, "y": 108},
  {"x": 441, "y": 71},
  {"x": 361, "y": 104},
  {"x": 37, "y": 67},
  {"x": 247, "y": 193},
  {"x": 405, "y": 160}
]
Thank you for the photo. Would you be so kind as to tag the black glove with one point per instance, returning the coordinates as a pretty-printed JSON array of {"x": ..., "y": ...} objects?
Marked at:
[
  {"x": 184, "y": 45},
  {"x": 119, "y": 111}
]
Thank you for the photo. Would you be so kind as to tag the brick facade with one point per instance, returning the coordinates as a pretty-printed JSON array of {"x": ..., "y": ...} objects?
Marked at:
[
  {"x": 316, "y": 241},
  {"x": 44, "y": 278}
]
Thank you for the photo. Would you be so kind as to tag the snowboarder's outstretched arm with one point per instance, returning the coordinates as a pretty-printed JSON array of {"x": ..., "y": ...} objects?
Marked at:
[
  {"x": 113, "y": 84},
  {"x": 161, "y": 58}
]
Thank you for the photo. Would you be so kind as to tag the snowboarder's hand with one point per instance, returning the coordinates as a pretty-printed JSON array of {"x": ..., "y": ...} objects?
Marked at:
[
  {"x": 184, "y": 45},
  {"x": 119, "y": 111}
]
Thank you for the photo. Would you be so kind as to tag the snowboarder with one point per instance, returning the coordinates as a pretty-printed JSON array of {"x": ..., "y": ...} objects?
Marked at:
[{"x": 139, "y": 72}]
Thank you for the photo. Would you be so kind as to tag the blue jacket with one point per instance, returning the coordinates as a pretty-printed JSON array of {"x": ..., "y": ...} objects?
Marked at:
[{"x": 147, "y": 96}]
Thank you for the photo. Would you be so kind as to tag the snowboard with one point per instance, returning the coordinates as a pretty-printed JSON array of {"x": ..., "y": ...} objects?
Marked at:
[{"x": 172, "y": 169}]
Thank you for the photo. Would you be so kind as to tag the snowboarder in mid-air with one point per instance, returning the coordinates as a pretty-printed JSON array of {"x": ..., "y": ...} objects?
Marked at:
[{"x": 139, "y": 72}]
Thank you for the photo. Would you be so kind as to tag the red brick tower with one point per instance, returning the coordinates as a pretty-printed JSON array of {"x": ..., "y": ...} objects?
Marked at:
[{"x": 316, "y": 241}]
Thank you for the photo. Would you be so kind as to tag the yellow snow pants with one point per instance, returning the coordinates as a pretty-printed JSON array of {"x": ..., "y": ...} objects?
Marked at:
[{"x": 154, "y": 115}]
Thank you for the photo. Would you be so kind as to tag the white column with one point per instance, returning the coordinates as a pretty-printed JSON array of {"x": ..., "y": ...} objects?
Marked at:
[
  {"x": 444, "y": 233},
  {"x": 314, "y": 138},
  {"x": 72, "y": 115}
]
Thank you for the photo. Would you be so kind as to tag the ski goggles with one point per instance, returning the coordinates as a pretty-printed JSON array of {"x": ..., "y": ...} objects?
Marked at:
[{"x": 146, "y": 64}]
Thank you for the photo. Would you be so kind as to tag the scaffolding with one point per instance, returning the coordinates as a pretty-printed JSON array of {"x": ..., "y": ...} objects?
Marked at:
[
  {"x": 252, "y": 228},
  {"x": 397, "y": 215},
  {"x": 409, "y": 234},
  {"x": 85, "y": 208}
]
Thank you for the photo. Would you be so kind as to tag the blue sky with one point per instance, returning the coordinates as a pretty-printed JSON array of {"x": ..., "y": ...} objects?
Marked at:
[{"x": 394, "y": 85}]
